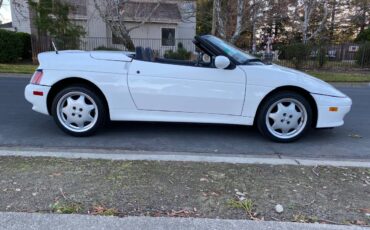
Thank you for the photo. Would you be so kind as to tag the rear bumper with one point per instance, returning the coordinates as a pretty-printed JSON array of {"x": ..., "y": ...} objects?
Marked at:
[
  {"x": 326, "y": 118},
  {"x": 39, "y": 102}
]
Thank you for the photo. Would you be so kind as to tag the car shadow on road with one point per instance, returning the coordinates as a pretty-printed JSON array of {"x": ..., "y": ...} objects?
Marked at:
[{"x": 197, "y": 132}]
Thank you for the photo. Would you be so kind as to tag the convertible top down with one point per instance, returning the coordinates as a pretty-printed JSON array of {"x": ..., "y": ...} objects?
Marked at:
[{"x": 83, "y": 89}]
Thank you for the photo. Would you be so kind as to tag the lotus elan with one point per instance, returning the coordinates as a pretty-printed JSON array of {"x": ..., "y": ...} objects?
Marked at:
[{"x": 84, "y": 89}]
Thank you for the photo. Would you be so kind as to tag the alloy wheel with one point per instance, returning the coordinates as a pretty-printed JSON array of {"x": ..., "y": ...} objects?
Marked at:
[
  {"x": 77, "y": 111},
  {"x": 286, "y": 118}
]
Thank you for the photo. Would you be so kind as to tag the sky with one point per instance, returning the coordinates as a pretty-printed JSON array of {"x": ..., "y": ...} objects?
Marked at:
[{"x": 5, "y": 15}]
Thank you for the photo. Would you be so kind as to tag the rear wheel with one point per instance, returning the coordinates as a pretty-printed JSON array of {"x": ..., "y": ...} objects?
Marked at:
[
  {"x": 78, "y": 111},
  {"x": 285, "y": 117}
]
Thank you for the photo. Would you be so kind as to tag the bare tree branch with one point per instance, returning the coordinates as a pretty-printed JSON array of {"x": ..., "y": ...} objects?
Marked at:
[
  {"x": 309, "y": 6},
  {"x": 239, "y": 20},
  {"x": 322, "y": 23},
  {"x": 189, "y": 12},
  {"x": 220, "y": 20},
  {"x": 116, "y": 16},
  {"x": 147, "y": 19},
  {"x": 214, "y": 16}
]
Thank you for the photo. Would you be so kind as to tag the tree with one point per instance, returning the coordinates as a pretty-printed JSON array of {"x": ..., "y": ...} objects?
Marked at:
[
  {"x": 363, "y": 36},
  {"x": 333, "y": 4},
  {"x": 276, "y": 17},
  {"x": 51, "y": 18},
  {"x": 361, "y": 9},
  {"x": 304, "y": 12},
  {"x": 114, "y": 13},
  {"x": 204, "y": 16},
  {"x": 234, "y": 18},
  {"x": 339, "y": 21},
  {"x": 255, "y": 11}
]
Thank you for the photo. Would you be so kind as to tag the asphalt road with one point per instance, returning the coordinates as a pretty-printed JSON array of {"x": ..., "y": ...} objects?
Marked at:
[{"x": 21, "y": 127}]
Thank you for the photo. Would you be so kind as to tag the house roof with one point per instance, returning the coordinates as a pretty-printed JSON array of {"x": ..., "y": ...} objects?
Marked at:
[
  {"x": 6, "y": 25},
  {"x": 165, "y": 12}
]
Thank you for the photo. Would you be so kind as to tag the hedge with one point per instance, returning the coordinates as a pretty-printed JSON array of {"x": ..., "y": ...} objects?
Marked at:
[
  {"x": 14, "y": 46},
  {"x": 180, "y": 54},
  {"x": 296, "y": 52},
  {"x": 104, "y": 48},
  {"x": 27, "y": 48},
  {"x": 363, "y": 55}
]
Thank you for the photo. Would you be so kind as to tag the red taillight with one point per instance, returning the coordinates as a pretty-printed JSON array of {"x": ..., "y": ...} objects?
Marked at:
[
  {"x": 37, "y": 76},
  {"x": 38, "y": 93}
]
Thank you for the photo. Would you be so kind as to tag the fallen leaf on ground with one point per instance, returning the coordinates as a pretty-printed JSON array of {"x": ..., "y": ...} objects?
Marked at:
[
  {"x": 364, "y": 210},
  {"x": 353, "y": 135},
  {"x": 101, "y": 210},
  {"x": 204, "y": 179}
]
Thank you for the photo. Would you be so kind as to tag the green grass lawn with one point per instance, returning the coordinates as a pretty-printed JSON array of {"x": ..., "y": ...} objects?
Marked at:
[
  {"x": 17, "y": 68},
  {"x": 324, "y": 75},
  {"x": 341, "y": 77}
]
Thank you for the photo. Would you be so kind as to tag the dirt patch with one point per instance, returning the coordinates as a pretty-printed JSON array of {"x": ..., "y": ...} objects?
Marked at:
[{"x": 213, "y": 190}]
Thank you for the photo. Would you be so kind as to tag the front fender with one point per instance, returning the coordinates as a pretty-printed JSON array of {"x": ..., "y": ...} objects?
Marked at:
[{"x": 264, "y": 79}]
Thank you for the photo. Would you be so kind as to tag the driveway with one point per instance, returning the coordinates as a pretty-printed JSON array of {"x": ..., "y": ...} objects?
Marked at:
[{"x": 21, "y": 127}]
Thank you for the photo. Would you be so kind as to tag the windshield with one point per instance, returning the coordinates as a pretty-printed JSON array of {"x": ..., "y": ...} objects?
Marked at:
[{"x": 231, "y": 50}]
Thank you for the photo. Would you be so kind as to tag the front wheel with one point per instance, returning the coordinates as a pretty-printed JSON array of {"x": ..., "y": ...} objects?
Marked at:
[
  {"x": 78, "y": 111},
  {"x": 285, "y": 117}
]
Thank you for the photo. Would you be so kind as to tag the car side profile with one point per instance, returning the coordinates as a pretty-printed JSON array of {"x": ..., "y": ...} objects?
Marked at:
[{"x": 82, "y": 90}]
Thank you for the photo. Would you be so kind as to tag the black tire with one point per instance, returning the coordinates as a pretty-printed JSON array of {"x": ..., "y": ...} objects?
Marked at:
[
  {"x": 100, "y": 108},
  {"x": 271, "y": 101}
]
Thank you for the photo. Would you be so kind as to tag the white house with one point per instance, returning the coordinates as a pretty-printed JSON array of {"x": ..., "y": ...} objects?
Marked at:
[{"x": 170, "y": 23}]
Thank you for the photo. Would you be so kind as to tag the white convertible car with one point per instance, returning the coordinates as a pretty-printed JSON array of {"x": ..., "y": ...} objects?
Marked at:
[{"x": 82, "y": 90}]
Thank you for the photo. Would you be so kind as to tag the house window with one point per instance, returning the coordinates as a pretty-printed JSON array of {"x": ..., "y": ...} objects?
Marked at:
[{"x": 168, "y": 37}]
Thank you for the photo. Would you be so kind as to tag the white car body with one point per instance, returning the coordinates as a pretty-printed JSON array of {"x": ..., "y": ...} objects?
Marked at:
[
  {"x": 224, "y": 85},
  {"x": 146, "y": 91}
]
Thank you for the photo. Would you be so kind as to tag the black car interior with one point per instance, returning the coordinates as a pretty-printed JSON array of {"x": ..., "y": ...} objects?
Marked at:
[{"x": 148, "y": 54}]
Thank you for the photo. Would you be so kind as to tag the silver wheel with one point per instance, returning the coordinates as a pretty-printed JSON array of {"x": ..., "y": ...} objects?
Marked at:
[
  {"x": 286, "y": 118},
  {"x": 77, "y": 111}
]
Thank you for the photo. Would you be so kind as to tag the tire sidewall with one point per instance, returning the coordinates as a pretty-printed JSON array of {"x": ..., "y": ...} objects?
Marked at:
[
  {"x": 261, "y": 117},
  {"x": 100, "y": 107}
]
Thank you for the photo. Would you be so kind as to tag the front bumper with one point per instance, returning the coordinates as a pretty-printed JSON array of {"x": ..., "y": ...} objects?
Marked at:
[
  {"x": 327, "y": 118},
  {"x": 39, "y": 102}
]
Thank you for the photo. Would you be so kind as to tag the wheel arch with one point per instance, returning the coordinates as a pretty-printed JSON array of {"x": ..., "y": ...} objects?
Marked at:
[
  {"x": 295, "y": 89},
  {"x": 58, "y": 86}
]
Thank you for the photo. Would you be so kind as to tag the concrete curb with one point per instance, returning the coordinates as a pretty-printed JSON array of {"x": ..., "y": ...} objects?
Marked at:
[
  {"x": 178, "y": 156},
  {"x": 17, "y": 221}
]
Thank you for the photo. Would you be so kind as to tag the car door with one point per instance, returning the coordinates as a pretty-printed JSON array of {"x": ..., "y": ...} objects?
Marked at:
[{"x": 180, "y": 88}]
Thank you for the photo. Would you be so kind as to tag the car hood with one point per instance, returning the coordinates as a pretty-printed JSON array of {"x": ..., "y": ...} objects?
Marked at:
[{"x": 294, "y": 77}]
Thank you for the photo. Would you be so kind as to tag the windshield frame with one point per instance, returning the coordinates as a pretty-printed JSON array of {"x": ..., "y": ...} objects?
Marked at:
[{"x": 210, "y": 39}]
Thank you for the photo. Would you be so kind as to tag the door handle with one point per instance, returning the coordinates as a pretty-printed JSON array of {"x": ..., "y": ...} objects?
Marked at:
[{"x": 138, "y": 71}]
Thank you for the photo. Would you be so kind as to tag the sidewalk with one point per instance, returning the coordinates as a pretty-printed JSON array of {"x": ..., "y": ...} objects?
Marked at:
[{"x": 20, "y": 221}]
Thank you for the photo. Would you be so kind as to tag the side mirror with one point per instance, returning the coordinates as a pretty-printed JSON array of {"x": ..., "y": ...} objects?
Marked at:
[{"x": 222, "y": 62}]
